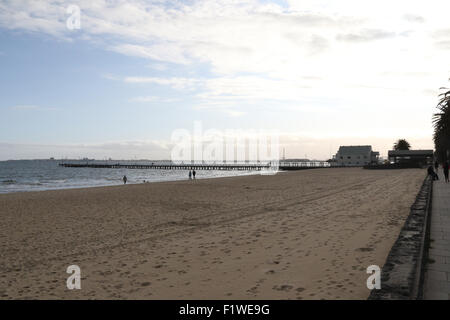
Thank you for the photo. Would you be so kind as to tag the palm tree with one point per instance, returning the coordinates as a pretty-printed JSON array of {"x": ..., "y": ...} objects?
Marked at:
[
  {"x": 441, "y": 123},
  {"x": 402, "y": 144}
]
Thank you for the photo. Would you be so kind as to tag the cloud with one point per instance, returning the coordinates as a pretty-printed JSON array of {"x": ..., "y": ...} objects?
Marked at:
[
  {"x": 34, "y": 16},
  {"x": 158, "y": 66},
  {"x": 414, "y": 18},
  {"x": 110, "y": 76},
  {"x": 230, "y": 94},
  {"x": 153, "y": 99},
  {"x": 365, "y": 35},
  {"x": 297, "y": 38},
  {"x": 229, "y": 56},
  {"x": 444, "y": 44},
  {"x": 177, "y": 83},
  {"x": 234, "y": 113},
  {"x": 429, "y": 92},
  {"x": 162, "y": 52},
  {"x": 254, "y": 87},
  {"x": 230, "y": 36}
]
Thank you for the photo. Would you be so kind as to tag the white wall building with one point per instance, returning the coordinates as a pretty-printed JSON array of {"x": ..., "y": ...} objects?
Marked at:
[{"x": 356, "y": 156}]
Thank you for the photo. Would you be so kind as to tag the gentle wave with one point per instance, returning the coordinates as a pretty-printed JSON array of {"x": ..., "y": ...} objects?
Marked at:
[
  {"x": 37, "y": 175},
  {"x": 9, "y": 181}
]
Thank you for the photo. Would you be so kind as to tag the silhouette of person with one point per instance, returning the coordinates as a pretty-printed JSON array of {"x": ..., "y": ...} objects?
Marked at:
[
  {"x": 124, "y": 179},
  {"x": 432, "y": 173},
  {"x": 193, "y": 173},
  {"x": 190, "y": 175},
  {"x": 446, "y": 171}
]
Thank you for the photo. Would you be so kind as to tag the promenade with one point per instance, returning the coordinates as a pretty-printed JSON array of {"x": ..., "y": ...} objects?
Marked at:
[{"x": 437, "y": 270}]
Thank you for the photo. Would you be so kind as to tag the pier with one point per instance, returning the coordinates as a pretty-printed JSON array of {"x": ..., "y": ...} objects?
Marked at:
[{"x": 203, "y": 166}]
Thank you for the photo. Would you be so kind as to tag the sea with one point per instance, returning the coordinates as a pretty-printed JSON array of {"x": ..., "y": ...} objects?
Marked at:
[{"x": 37, "y": 175}]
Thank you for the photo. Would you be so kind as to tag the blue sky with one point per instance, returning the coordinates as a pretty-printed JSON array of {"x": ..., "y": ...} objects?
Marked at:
[{"x": 320, "y": 74}]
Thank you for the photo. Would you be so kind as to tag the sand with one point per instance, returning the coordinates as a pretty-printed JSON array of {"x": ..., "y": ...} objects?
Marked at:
[{"x": 298, "y": 235}]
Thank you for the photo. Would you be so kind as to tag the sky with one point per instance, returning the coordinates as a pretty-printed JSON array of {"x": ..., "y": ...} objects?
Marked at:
[{"x": 319, "y": 73}]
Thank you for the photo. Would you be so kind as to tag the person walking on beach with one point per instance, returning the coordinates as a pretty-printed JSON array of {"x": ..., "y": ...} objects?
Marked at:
[
  {"x": 193, "y": 174},
  {"x": 446, "y": 171},
  {"x": 190, "y": 175},
  {"x": 124, "y": 179}
]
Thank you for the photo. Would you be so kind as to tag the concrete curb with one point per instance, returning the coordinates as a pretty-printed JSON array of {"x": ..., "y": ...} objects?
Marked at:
[{"x": 402, "y": 274}]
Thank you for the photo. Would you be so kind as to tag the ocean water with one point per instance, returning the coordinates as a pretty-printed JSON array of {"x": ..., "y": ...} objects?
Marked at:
[{"x": 36, "y": 175}]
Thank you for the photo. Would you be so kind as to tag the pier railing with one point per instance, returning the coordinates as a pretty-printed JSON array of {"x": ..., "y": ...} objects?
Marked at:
[{"x": 283, "y": 165}]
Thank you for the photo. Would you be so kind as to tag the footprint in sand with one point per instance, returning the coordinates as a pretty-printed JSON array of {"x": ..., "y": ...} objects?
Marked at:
[
  {"x": 253, "y": 289},
  {"x": 283, "y": 287}
]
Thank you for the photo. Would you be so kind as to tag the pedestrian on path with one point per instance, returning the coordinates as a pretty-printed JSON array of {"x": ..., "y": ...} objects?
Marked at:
[{"x": 446, "y": 171}]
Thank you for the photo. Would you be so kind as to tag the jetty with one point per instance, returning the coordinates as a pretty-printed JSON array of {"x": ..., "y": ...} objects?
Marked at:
[{"x": 203, "y": 166}]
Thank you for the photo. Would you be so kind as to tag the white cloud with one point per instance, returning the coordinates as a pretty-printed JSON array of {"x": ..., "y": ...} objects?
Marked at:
[
  {"x": 177, "y": 83},
  {"x": 384, "y": 55},
  {"x": 234, "y": 113},
  {"x": 308, "y": 37},
  {"x": 153, "y": 99},
  {"x": 159, "y": 66},
  {"x": 414, "y": 18},
  {"x": 366, "y": 35},
  {"x": 110, "y": 76},
  {"x": 162, "y": 52}
]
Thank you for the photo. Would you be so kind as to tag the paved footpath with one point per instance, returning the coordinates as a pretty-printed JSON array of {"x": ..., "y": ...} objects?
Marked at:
[{"x": 437, "y": 270}]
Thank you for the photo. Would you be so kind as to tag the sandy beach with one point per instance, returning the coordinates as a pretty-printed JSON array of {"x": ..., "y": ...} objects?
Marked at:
[{"x": 298, "y": 235}]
